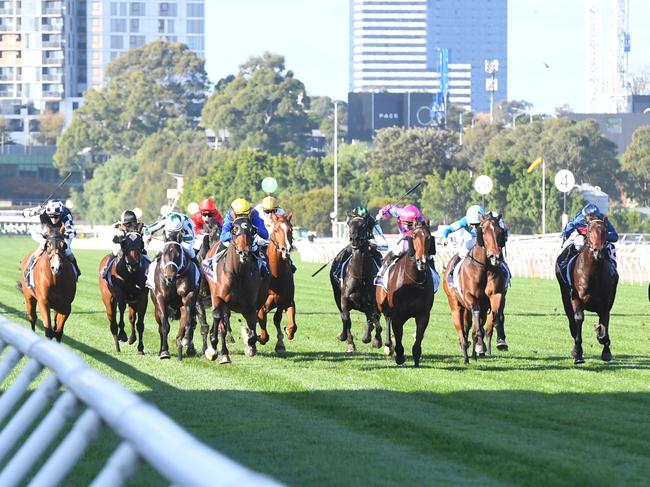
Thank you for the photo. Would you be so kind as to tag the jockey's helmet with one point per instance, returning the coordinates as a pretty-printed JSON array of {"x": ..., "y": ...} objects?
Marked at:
[
  {"x": 128, "y": 216},
  {"x": 54, "y": 208},
  {"x": 207, "y": 206},
  {"x": 361, "y": 211},
  {"x": 269, "y": 203},
  {"x": 241, "y": 207},
  {"x": 410, "y": 213},
  {"x": 591, "y": 209},
  {"x": 174, "y": 223},
  {"x": 474, "y": 213}
]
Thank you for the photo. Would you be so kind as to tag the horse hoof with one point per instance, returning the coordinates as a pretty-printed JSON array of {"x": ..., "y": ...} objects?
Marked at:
[
  {"x": 400, "y": 359},
  {"x": 280, "y": 349},
  {"x": 210, "y": 354},
  {"x": 416, "y": 364},
  {"x": 502, "y": 345},
  {"x": 263, "y": 338},
  {"x": 376, "y": 343},
  {"x": 121, "y": 336},
  {"x": 351, "y": 349},
  {"x": 366, "y": 339},
  {"x": 140, "y": 352},
  {"x": 606, "y": 356},
  {"x": 191, "y": 351},
  {"x": 579, "y": 360},
  {"x": 131, "y": 340},
  {"x": 388, "y": 351},
  {"x": 224, "y": 359},
  {"x": 291, "y": 332},
  {"x": 250, "y": 350},
  {"x": 164, "y": 355},
  {"x": 341, "y": 337}
]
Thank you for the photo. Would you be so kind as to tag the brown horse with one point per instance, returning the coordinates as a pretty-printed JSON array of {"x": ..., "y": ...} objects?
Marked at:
[
  {"x": 55, "y": 285},
  {"x": 594, "y": 288},
  {"x": 239, "y": 287},
  {"x": 356, "y": 290},
  {"x": 410, "y": 292},
  {"x": 126, "y": 286},
  {"x": 281, "y": 286},
  {"x": 472, "y": 304},
  {"x": 174, "y": 293}
]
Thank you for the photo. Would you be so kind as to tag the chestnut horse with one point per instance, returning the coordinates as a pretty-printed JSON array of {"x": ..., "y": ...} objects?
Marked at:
[
  {"x": 594, "y": 288},
  {"x": 472, "y": 304},
  {"x": 356, "y": 289},
  {"x": 281, "y": 286},
  {"x": 127, "y": 287},
  {"x": 410, "y": 292},
  {"x": 174, "y": 293},
  {"x": 55, "y": 285},
  {"x": 239, "y": 287}
]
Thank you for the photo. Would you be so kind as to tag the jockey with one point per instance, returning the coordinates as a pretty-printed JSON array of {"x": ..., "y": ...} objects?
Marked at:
[
  {"x": 374, "y": 234},
  {"x": 52, "y": 216},
  {"x": 240, "y": 207},
  {"x": 579, "y": 225},
  {"x": 406, "y": 216},
  {"x": 207, "y": 214},
  {"x": 265, "y": 209},
  {"x": 175, "y": 222},
  {"x": 127, "y": 223}
]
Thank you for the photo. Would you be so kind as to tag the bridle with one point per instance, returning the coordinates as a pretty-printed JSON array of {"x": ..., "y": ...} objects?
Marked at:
[
  {"x": 132, "y": 241},
  {"x": 55, "y": 247},
  {"x": 596, "y": 252},
  {"x": 285, "y": 229},
  {"x": 242, "y": 227}
]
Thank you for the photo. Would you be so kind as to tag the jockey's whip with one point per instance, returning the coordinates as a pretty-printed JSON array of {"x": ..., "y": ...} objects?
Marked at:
[
  {"x": 407, "y": 193},
  {"x": 56, "y": 189},
  {"x": 324, "y": 265}
]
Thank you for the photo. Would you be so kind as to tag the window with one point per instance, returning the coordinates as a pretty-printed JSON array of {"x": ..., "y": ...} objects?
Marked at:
[
  {"x": 122, "y": 9},
  {"x": 195, "y": 27},
  {"x": 195, "y": 10},
  {"x": 196, "y": 43},
  {"x": 170, "y": 26},
  {"x": 136, "y": 41},
  {"x": 135, "y": 25},
  {"x": 161, "y": 25},
  {"x": 167, "y": 9},
  {"x": 118, "y": 25},
  {"x": 117, "y": 42},
  {"x": 113, "y": 9},
  {"x": 137, "y": 9}
]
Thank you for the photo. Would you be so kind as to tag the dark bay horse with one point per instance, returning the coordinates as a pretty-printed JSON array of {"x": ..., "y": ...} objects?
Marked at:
[
  {"x": 204, "y": 301},
  {"x": 472, "y": 305},
  {"x": 239, "y": 287},
  {"x": 174, "y": 293},
  {"x": 410, "y": 293},
  {"x": 281, "y": 286},
  {"x": 55, "y": 285},
  {"x": 594, "y": 288},
  {"x": 127, "y": 287},
  {"x": 356, "y": 290}
]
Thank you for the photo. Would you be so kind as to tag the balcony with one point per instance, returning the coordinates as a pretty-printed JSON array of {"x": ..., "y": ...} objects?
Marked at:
[
  {"x": 58, "y": 11},
  {"x": 9, "y": 28},
  {"x": 52, "y": 45},
  {"x": 52, "y": 78},
  {"x": 51, "y": 27},
  {"x": 53, "y": 60},
  {"x": 53, "y": 94}
]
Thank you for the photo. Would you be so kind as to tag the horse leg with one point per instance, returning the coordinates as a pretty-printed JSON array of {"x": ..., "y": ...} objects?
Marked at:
[
  {"x": 477, "y": 332},
  {"x": 602, "y": 333},
  {"x": 200, "y": 313},
  {"x": 502, "y": 346},
  {"x": 111, "y": 310},
  {"x": 249, "y": 334},
  {"x": 578, "y": 317},
  {"x": 374, "y": 316},
  {"x": 46, "y": 318},
  {"x": 221, "y": 331},
  {"x": 60, "y": 320},
  {"x": 489, "y": 328},
  {"x": 398, "y": 329},
  {"x": 121, "y": 334},
  {"x": 291, "y": 318},
  {"x": 163, "y": 331},
  {"x": 141, "y": 311},
  {"x": 277, "y": 321},
  {"x": 388, "y": 344},
  {"x": 133, "y": 317},
  {"x": 185, "y": 322},
  {"x": 367, "y": 330},
  {"x": 457, "y": 315},
  {"x": 421, "y": 323},
  {"x": 30, "y": 305},
  {"x": 217, "y": 318},
  {"x": 188, "y": 337},
  {"x": 346, "y": 331},
  {"x": 261, "y": 319}
]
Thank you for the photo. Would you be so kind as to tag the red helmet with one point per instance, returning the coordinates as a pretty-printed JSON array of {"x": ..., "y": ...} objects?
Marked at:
[{"x": 208, "y": 204}]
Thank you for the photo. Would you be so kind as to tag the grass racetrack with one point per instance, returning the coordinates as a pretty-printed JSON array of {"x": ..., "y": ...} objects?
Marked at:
[{"x": 317, "y": 416}]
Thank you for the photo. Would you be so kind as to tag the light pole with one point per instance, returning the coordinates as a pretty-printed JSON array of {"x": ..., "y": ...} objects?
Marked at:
[
  {"x": 491, "y": 83},
  {"x": 335, "y": 213}
]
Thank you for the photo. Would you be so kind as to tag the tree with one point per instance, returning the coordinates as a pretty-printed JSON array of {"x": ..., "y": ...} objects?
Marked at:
[
  {"x": 262, "y": 108},
  {"x": 321, "y": 114},
  {"x": 476, "y": 139},
  {"x": 417, "y": 151},
  {"x": 640, "y": 84},
  {"x": 147, "y": 90},
  {"x": 453, "y": 118},
  {"x": 445, "y": 199},
  {"x": 636, "y": 162},
  {"x": 50, "y": 124},
  {"x": 504, "y": 111}
]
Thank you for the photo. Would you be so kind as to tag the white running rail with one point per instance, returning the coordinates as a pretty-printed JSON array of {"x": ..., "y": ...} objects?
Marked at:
[{"x": 72, "y": 389}]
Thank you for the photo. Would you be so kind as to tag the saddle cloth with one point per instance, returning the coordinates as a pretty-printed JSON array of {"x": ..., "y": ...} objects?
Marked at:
[
  {"x": 152, "y": 270},
  {"x": 380, "y": 281},
  {"x": 29, "y": 277}
]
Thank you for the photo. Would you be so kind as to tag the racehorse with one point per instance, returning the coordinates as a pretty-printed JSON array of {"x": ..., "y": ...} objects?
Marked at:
[
  {"x": 495, "y": 292},
  {"x": 239, "y": 287},
  {"x": 55, "y": 285},
  {"x": 472, "y": 305},
  {"x": 204, "y": 300},
  {"x": 174, "y": 293},
  {"x": 593, "y": 289},
  {"x": 126, "y": 287},
  {"x": 355, "y": 290},
  {"x": 409, "y": 292},
  {"x": 281, "y": 286}
]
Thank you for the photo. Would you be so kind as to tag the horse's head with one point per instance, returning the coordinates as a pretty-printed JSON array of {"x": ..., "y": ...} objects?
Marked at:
[
  {"x": 213, "y": 231},
  {"x": 596, "y": 238},
  {"x": 491, "y": 236},
  {"x": 172, "y": 260},
  {"x": 358, "y": 231},
  {"x": 242, "y": 237},
  {"x": 55, "y": 247},
  {"x": 132, "y": 248},
  {"x": 420, "y": 244},
  {"x": 282, "y": 234}
]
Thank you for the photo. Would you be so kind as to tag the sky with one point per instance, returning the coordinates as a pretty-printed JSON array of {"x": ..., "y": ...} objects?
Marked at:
[{"x": 313, "y": 35}]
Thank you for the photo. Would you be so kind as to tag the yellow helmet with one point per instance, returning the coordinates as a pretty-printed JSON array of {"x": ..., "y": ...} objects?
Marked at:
[
  {"x": 240, "y": 207},
  {"x": 269, "y": 203}
]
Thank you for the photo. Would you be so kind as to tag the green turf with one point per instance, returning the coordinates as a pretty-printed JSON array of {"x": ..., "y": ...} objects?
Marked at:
[{"x": 318, "y": 416}]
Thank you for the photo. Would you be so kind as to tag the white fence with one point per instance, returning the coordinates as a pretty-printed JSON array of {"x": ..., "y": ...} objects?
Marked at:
[
  {"x": 527, "y": 256},
  {"x": 70, "y": 385}
]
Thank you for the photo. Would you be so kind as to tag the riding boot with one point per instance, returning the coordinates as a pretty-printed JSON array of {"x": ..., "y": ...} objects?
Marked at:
[
  {"x": 387, "y": 262},
  {"x": 106, "y": 269},
  {"x": 73, "y": 260},
  {"x": 30, "y": 265},
  {"x": 292, "y": 266}
]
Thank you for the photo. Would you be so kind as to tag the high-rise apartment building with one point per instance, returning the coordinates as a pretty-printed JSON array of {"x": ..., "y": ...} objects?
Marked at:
[
  {"x": 51, "y": 51},
  {"x": 396, "y": 44}
]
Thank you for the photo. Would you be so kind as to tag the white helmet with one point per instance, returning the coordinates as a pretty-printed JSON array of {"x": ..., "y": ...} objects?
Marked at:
[
  {"x": 54, "y": 208},
  {"x": 174, "y": 223},
  {"x": 473, "y": 215}
]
